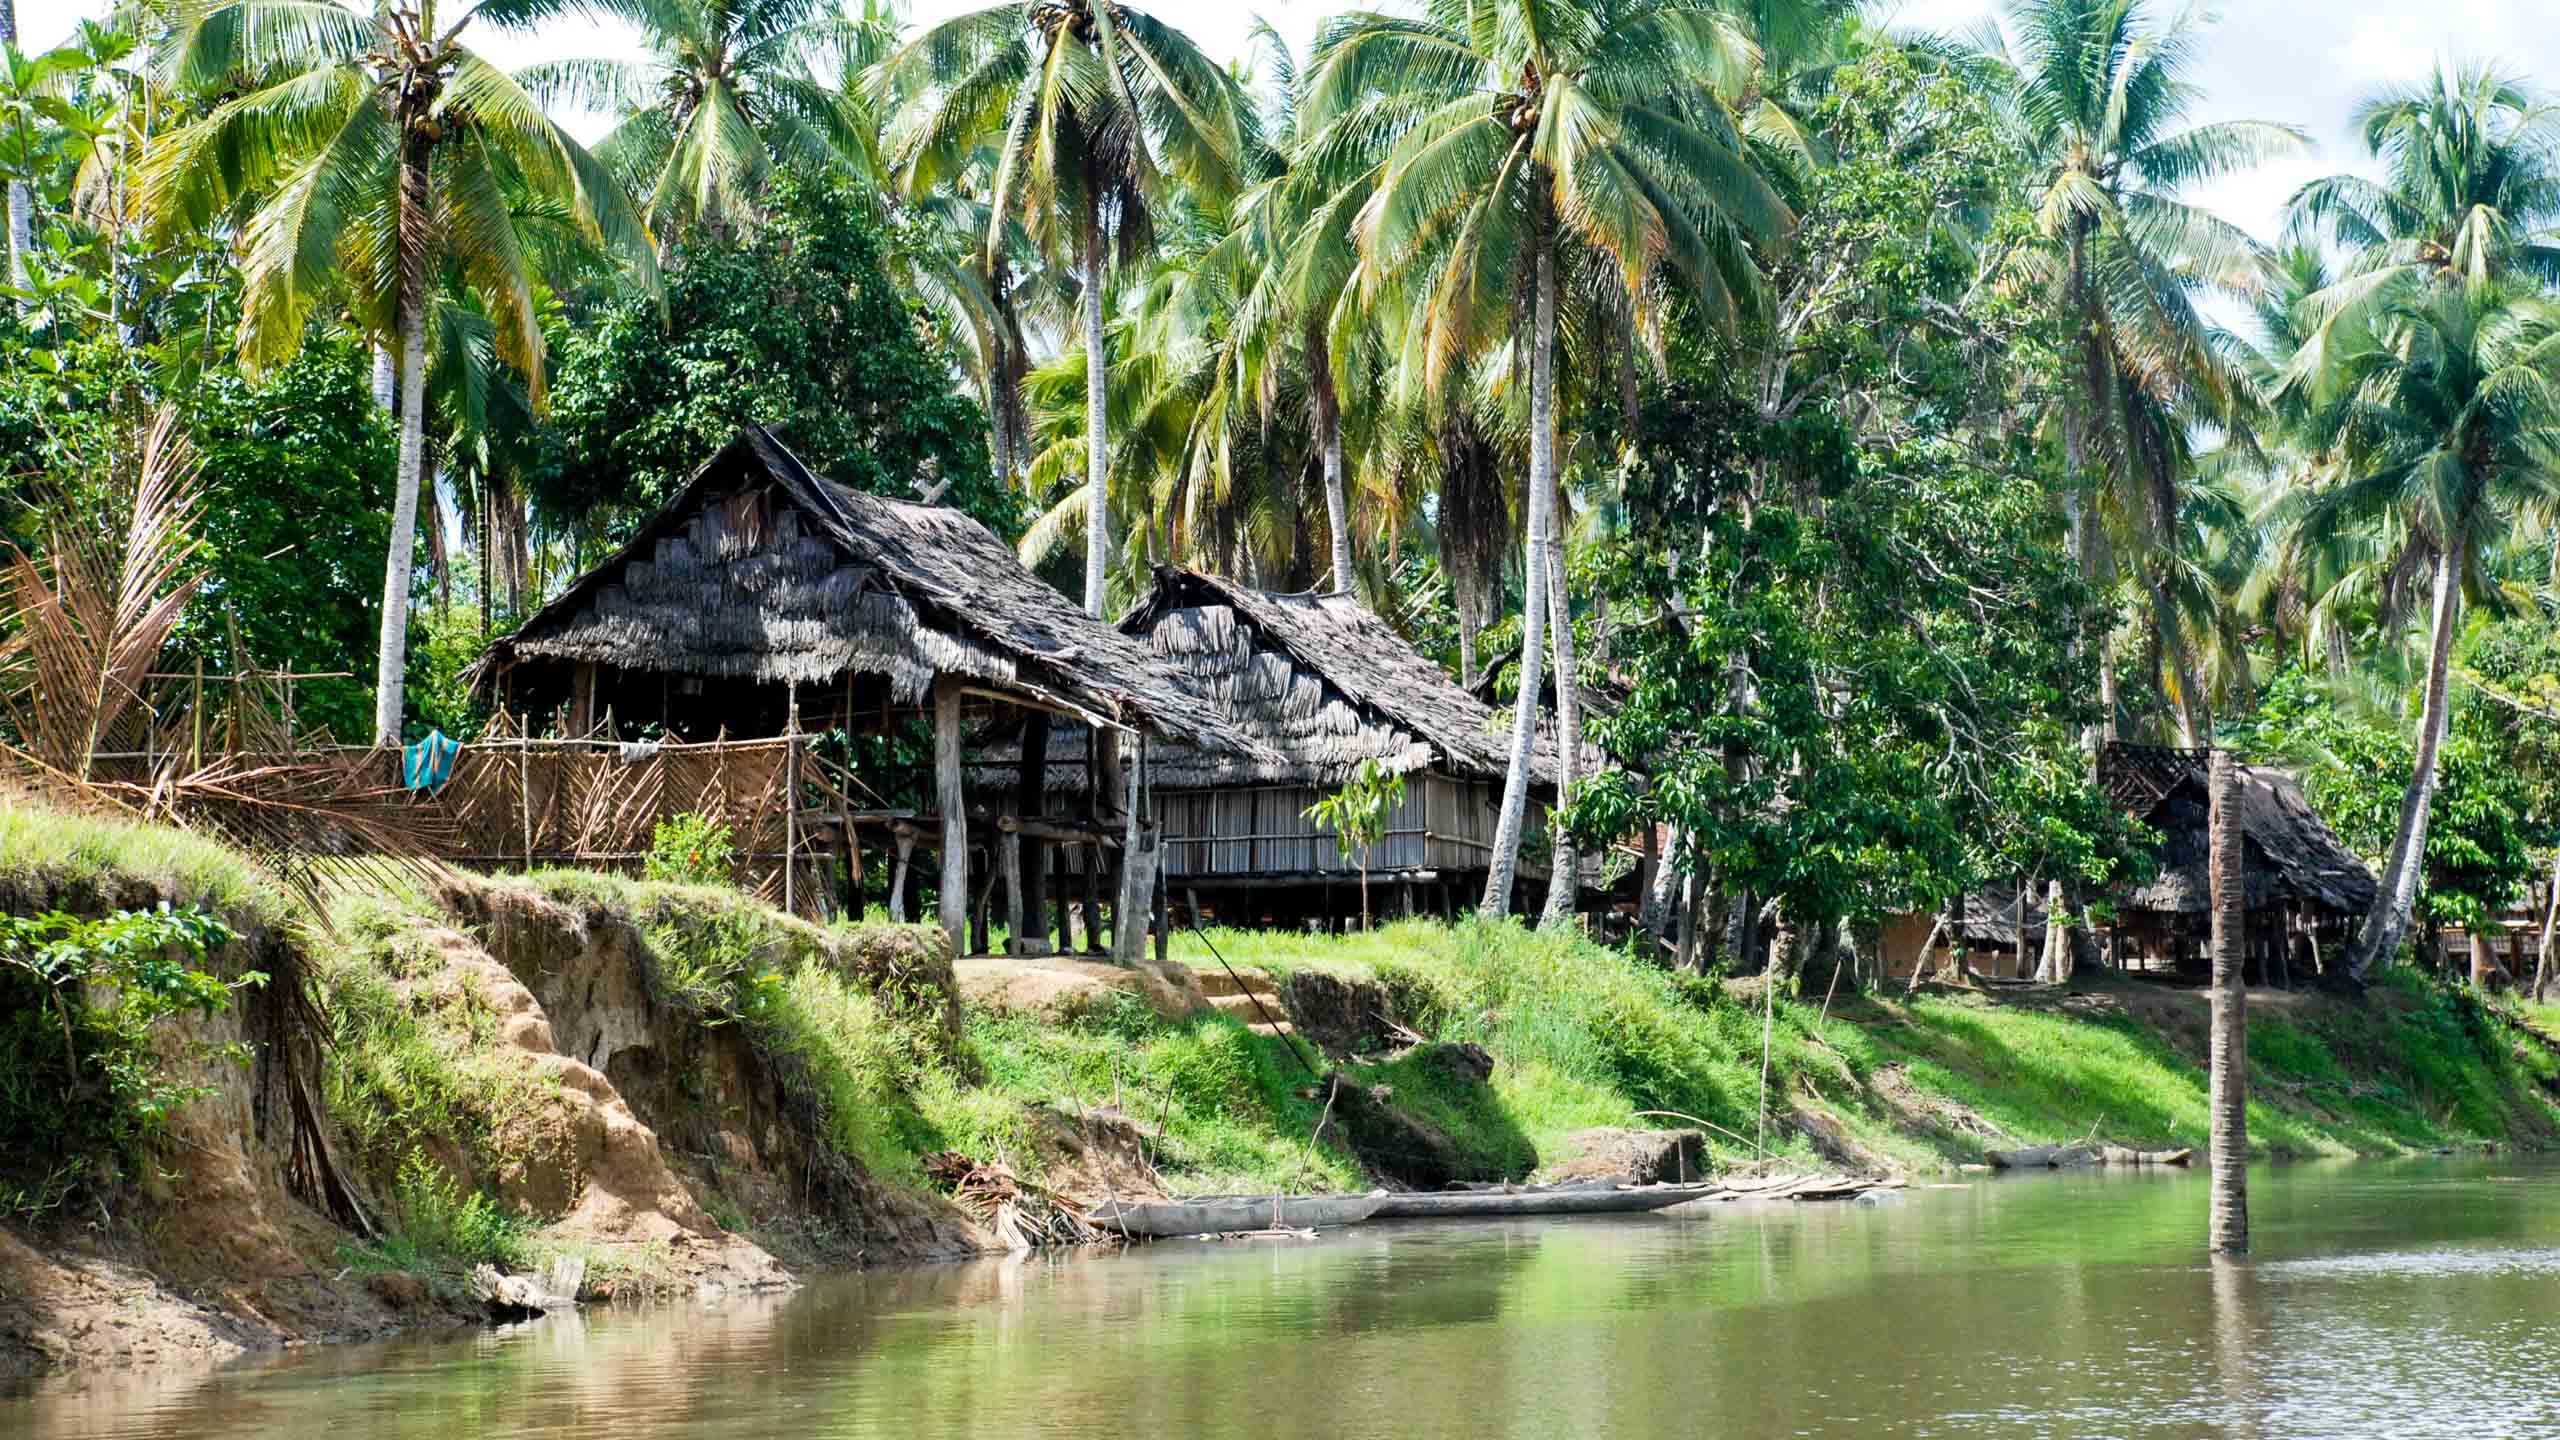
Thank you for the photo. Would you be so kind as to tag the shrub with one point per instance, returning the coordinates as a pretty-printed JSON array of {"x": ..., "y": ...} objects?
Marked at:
[
  {"x": 85, "y": 1074},
  {"x": 692, "y": 849}
]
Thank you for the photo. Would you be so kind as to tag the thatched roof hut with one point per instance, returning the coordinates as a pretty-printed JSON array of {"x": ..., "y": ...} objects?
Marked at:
[
  {"x": 2294, "y": 859},
  {"x": 760, "y": 572},
  {"x": 2305, "y": 889},
  {"x": 765, "y": 601},
  {"x": 1321, "y": 684}
]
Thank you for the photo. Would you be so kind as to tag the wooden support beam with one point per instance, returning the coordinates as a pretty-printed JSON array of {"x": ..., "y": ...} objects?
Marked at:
[
  {"x": 955, "y": 812},
  {"x": 898, "y": 880},
  {"x": 1017, "y": 939},
  {"x": 1137, "y": 881}
]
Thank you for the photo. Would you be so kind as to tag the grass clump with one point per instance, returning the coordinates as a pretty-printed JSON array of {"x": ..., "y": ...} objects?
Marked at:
[
  {"x": 437, "y": 1231},
  {"x": 50, "y": 851},
  {"x": 1224, "y": 1106},
  {"x": 411, "y": 1054}
]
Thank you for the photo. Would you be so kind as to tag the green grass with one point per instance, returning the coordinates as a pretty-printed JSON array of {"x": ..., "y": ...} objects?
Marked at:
[
  {"x": 49, "y": 850},
  {"x": 1583, "y": 1036},
  {"x": 1225, "y": 1105}
]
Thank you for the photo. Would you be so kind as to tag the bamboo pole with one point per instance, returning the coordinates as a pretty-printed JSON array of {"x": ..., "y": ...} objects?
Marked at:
[{"x": 1009, "y": 851}]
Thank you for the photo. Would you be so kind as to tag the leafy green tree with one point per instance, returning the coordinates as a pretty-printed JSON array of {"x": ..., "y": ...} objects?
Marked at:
[
  {"x": 369, "y": 157},
  {"x": 2355, "y": 769},
  {"x": 1357, "y": 813},
  {"x": 797, "y": 326},
  {"x": 1097, "y": 111},
  {"x": 1537, "y": 137}
]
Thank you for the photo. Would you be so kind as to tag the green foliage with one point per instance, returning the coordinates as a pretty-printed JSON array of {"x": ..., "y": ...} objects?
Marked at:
[
  {"x": 298, "y": 472},
  {"x": 796, "y": 327},
  {"x": 691, "y": 849},
  {"x": 1853, "y": 645},
  {"x": 437, "y": 1230},
  {"x": 89, "y": 1072},
  {"x": 2355, "y": 767}
]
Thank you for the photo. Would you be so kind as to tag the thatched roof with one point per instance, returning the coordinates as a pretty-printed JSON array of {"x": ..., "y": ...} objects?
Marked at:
[
  {"x": 1320, "y": 679},
  {"x": 2293, "y": 856},
  {"x": 1317, "y": 679},
  {"x": 760, "y": 571}
]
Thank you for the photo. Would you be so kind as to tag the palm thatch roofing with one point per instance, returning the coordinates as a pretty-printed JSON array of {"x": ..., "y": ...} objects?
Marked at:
[
  {"x": 2293, "y": 857},
  {"x": 759, "y": 571},
  {"x": 1316, "y": 679},
  {"x": 1322, "y": 681}
]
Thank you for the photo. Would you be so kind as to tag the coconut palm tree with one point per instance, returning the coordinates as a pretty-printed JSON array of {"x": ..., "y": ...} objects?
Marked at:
[
  {"x": 1097, "y": 110},
  {"x": 2444, "y": 404},
  {"x": 2095, "y": 92},
  {"x": 2470, "y": 193},
  {"x": 729, "y": 91},
  {"x": 370, "y": 156},
  {"x": 1528, "y": 133}
]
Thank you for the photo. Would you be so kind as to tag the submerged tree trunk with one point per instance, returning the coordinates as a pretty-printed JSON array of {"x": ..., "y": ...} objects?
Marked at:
[
  {"x": 2229, "y": 1228},
  {"x": 1504, "y": 863},
  {"x": 1097, "y": 468},
  {"x": 1564, "y": 883},
  {"x": 2387, "y": 924},
  {"x": 389, "y": 692}
]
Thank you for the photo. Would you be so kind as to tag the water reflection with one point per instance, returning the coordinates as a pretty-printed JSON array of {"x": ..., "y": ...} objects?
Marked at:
[{"x": 2399, "y": 1299}]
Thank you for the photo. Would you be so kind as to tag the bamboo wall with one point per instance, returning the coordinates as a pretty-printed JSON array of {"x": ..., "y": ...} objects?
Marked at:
[{"x": 1262, "y": 830}]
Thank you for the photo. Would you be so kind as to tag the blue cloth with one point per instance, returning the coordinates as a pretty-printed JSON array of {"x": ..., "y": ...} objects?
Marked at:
[{"x": 429, "y": 763}]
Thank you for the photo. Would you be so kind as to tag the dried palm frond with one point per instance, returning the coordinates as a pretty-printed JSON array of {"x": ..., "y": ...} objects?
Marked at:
[
  {"x": 93, "y": 614},
  {"x": 1020, "y": 1214}
]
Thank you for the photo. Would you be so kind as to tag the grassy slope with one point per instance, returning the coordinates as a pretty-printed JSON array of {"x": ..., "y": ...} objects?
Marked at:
[
  {"x": 1583, "y": 1037},
  {"x": 1586, "y": 1037}
]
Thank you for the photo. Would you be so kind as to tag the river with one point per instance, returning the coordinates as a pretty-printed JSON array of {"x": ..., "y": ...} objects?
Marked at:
[{"x": 2409, "y": 1298}]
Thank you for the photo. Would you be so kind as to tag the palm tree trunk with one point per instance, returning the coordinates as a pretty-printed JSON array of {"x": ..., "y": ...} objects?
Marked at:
[
  {"x": 2229, "y": 1103},
  {"x": 1503, "y": 866},
  {"x": 22, "y": 228},
  {"x": 390, "y": 674},
  {"x": 1328, "y": 405},
  {"x": 1565, "y": 883},
  {"x": 386, "y": 379},
  {"x": 1097, "y": 511},
  {"x": 2388, "y": 922},
  {"x": 2550, "y": 918}
]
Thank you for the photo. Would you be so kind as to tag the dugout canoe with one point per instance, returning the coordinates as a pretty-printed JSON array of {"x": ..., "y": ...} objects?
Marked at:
[
  {"x": 1234, "y": 1214},
  {"x": 1538, "y": 1200}
]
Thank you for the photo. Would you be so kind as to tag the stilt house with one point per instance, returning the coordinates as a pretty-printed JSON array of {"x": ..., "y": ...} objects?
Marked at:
[
  {"x": 2306, "y": 890},
  {"x": 1321, "y": 684},
  {"x": 763, "y": 606}
]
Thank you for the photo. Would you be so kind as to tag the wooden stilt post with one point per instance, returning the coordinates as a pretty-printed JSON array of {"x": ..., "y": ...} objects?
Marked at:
[
  {"x": 1137, "y": 882},
  {"x": 955, "y": 811},
  {"x": 898, "y": 877},
  {"x": 1164, "y": 927},
  {"x": 790, "y": 794},
  {"x": 1093, "y": 899},
  {"x": 1017, "y": 917}
]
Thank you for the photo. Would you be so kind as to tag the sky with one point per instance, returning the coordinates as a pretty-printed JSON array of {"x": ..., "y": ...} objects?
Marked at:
[{"x": 2302, "y": 62}]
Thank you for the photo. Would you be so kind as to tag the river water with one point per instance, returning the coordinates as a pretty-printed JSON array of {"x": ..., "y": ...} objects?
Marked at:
[{"x": 2414, "y": 1298}]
